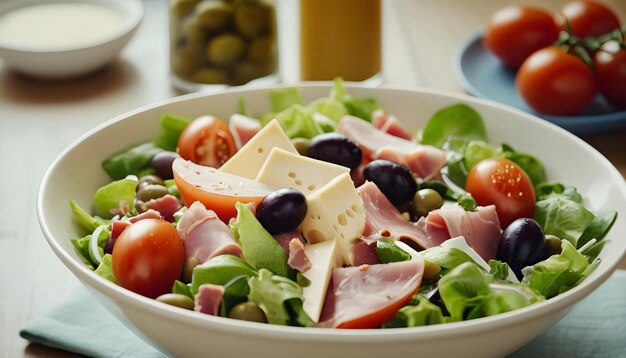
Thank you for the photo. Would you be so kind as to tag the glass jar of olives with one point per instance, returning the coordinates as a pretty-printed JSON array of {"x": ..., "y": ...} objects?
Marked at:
[{"x": 217, "y": 43}]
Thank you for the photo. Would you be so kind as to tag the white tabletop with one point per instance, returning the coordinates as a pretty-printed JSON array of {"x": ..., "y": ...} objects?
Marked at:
[{"x": 39, "y": 119}]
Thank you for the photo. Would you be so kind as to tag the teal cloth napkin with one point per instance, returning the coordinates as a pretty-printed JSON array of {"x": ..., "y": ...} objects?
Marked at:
[{"x": 596, "y": 327}]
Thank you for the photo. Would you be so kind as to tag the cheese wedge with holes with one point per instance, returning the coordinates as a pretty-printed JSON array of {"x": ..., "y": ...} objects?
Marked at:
[
  {"x": 324, "y": 257},
  {"x": 248, "y": 160},
  {"x": 335, "y": 211},
  {"x": 284, "y": 169}
]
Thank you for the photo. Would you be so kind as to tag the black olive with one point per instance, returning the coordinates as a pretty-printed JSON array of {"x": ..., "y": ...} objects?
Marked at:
[
  {"x": 282, "y": 210},
  {"x": 393, "y": 179},
  {"x": 162, "y": 164},
  {"x": 335, "y": 148},
  {"x": 522, "y": 244}
]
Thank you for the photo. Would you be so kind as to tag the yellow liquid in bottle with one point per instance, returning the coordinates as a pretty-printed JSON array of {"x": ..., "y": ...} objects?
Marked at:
[{"x": 340, "y": 38}]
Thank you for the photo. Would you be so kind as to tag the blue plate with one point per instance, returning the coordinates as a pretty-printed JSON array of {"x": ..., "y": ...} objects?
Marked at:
[{"x": 482, "y": 75}]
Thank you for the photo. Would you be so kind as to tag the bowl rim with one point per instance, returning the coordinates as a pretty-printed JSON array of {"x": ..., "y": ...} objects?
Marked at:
[
  {"x": 563, "y": 301},
  {"x": 133, "y": 14}
]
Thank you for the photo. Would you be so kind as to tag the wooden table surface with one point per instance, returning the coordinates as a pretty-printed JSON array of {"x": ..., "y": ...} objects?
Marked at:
[{"x": 39, "y": 119}]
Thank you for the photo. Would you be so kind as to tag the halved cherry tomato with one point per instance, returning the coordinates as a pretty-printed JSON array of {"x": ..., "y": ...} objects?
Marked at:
[
  {"x": 148, "y": 257},
  {"x": 503, "y": 183},
  {"x": 218, "y": 191},
  {"x": 207, "y": 141},
  {"x": 515, "y": 32},
  {"x": 610, "y": 63},
  {"x": 587, "y": 18},
  {"x": 554, "y": 82}
]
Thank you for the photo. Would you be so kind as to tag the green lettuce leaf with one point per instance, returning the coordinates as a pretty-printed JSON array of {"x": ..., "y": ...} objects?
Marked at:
[
  {"x": 388, "y": 251},
  {"x": 172, "y": 125},
  {"x": 297, "y": 122},
  {"x": 271, "y": 292},
  {"x": 82, "y": 248},
  {"x": 219, "y": 270},
  {"x": 109, "y": 196},
  {"x": 562, "y": 216},
  {"x": 85, "y": 221},
  {"x": 419, "y": 313},
  {"x": 259, "y": 247},
  {"x": 329, "y": 107},
  {"x": 131, "y": 161},
  {"x": 499, "y": 270},
  {"x": 283, "y": 98},
  {"x": 105, "y": 269},
  {"x": 454, "y": 126},
  {"x": 446, "y": 257},
  {"x": 598, "y": 228},
  {"x": 181, "y": 288},
  {"x": 558, "y": 273}
]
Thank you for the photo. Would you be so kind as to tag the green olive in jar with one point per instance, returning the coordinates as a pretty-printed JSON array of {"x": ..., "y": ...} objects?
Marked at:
[
  {"x": 214, "y": 15},
  {"x": 211, "y": 76},
  {"x": 225, "y": 49},
  {"x": 252, "y": 18},
  {"x": 182, "y": 8},
  {"x": 246, "y": 71},
  {"x": 184, "y": 61},
  {"x": 192, "y": 35},
  {"x": 262, "y": 50}
]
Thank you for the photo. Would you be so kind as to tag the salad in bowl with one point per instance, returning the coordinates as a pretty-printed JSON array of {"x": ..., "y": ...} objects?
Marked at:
[{"x": 327, "y": 211}]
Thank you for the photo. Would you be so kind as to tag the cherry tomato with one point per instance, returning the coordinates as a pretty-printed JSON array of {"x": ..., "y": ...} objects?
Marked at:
[
  {"x": 611, "y": 72},
  {"x": 207, "y": 141},
  {"x": 148, "y": 257},
  {"x": 554, "y": 82},
  {"x": 503, "y": 183},
  {"x": 587, "y": 18},
  {"x": 515, "y": 32},
  {"x": 218, "y": 191}
]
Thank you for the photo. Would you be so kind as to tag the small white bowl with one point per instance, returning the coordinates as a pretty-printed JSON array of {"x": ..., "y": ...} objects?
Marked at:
[
  {"x": 76, "y": 174},
  {"x": 71, "y": 61}
]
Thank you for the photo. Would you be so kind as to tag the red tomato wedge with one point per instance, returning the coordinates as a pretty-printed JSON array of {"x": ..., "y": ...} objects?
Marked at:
[
  {"x": 207, "y": 140},
  {"x": 217, "y": 191},
  {"x": 369, "y": 295}
]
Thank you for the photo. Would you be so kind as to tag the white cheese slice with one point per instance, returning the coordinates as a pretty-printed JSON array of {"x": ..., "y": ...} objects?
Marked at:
[
  {"x": 284, "y": 169},
  {"x": 324, "y": 257},
  {"x": 248, "y": 160},
  {"x": 335, "y": 211},
  {"x": 461, "y": 244}
]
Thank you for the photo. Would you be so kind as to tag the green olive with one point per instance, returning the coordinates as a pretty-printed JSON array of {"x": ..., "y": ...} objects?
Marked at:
[
  {"x": 301, "y": 144},
  {"x": 184, "y": 61},
  {"x": 178, "y": 300},
  {"x": 214, "y": 15},
  {"x": 192, "y": 35},
  {"x": 553, "y": 244},
  {"x": 262, "y": 50},
  {"x": 182, "y": 8},
  {"x": 252, "y": 18},
  {"x": 225, "y": 49},
  {"x": 246, "y": 71},
  {"x": 149, "y": 179},
  {"x": 248, "y": 311},
  {"x": 151, "y": 191},
  {"x": 211, "y": 76},
  {"x": 426, "y": 200}
]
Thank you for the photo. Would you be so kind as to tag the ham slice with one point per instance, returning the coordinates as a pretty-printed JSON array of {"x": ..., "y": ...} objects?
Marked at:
[
  {"x": 243, "y": 128},
  {"x": 364, "y": 250},
  {"x": 424, "y": 160},
  {"x": 166, "y": 205},
  {"x": 298, "y": 260},
  {"x": 389, "y": 124},
  {"x": 381, "y": 215},
  {"x": 204, "y": 235},
  {"x": 369, "y": 295},
  {"x": 209, "y": 298},
  {"x": 284, "y": 238},
  {"x": 149, "y": 214},
  {"x": 480, "y": 228}
]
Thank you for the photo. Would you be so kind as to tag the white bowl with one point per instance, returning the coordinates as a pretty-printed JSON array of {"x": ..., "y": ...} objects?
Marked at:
[
  {"x": 76, "y": 174},
  {"x": 71, "y": 61}
]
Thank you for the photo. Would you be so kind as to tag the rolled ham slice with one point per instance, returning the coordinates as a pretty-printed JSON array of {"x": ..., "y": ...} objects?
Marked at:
[
  {"x": 166, "y": 205},
  {"x": 381, "y": 215},
  {"x": 480, "y": 228},
  {"x": 369, "y": 295},
  {"x": 424, "y": 160},
  {"x": 204, "y": 235},
  {"x": 243, "y": 128},
  {"x": 389, "y": 124},
  {"x": 298, "y": 260}
]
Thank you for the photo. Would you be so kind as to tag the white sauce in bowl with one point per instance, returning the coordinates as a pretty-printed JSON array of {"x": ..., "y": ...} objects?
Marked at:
[{"x": 59, "y": 26}]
